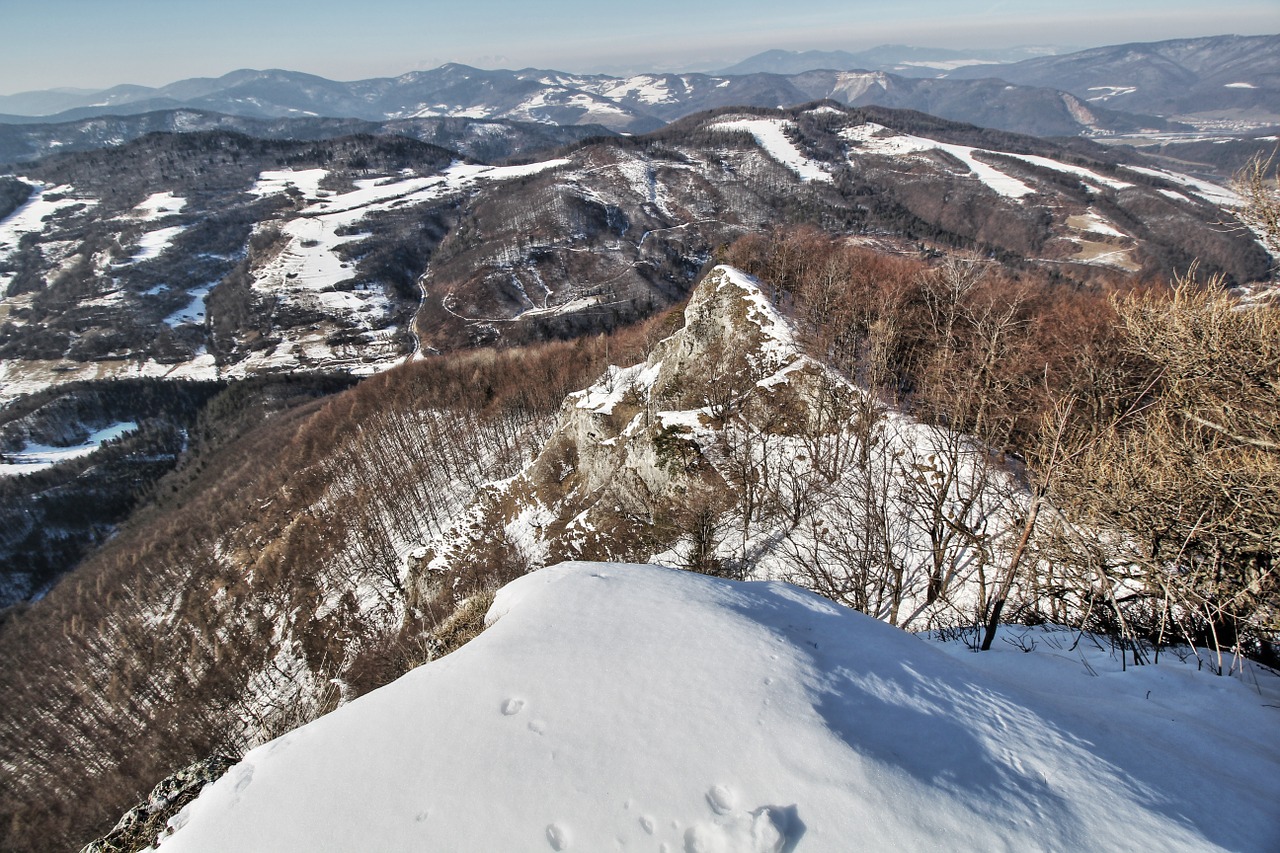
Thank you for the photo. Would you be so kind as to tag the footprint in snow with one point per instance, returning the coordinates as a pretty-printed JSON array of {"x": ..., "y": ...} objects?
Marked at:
[
  {"x": 511, "y": 707},
  {"x": 558, "y": 836}
]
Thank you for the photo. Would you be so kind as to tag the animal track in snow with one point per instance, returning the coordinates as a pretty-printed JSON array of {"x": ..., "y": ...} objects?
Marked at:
[
  {"x": 511, "y": 707},
  {"x": 721, "y": 799},
  {"x": 244, "y": 775}
]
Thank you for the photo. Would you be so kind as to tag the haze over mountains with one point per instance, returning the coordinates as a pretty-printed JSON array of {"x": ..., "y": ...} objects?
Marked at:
[{"x": 1107, "y": 90}]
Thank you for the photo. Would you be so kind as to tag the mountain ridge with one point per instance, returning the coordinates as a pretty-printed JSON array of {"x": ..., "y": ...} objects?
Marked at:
[{"x": 636, "y": 104}]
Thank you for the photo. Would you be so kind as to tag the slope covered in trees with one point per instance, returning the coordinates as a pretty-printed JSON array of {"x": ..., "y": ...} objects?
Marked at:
[{"x": 269, "y": 564}]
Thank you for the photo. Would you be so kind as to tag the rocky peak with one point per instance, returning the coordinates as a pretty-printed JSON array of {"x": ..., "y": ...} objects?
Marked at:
[{"x": 640, "y": 456}]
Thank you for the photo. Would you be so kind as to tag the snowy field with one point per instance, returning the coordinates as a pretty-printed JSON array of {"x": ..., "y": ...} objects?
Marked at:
[
  {"x": 770, "y": 135},
  {"x": 871, "y": 139},
  {"x": 613, "y": 707},
  {"x": 38, "y": 457}
]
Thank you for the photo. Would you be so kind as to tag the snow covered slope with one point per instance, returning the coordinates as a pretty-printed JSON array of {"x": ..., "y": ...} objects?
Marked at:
[{"x": 616, "y": 707}]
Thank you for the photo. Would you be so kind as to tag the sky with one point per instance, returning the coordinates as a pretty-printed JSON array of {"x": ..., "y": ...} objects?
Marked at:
[{"x": 95, "y": 44}]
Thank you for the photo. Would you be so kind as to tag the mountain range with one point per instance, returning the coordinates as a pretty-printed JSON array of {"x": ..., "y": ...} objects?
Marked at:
[
  {"x": 214, "y": 255},
  {"x": 635, "y": 104},
  {"x": 900, "y": 59}
]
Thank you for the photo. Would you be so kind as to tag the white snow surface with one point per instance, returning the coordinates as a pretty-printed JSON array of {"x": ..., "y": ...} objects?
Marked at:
[
  {"x": 769, "y": 135},
  {"x": 159, "y": 205},
  {"x": 306, "y": 181},
  {"x": 1210, "y": 192},
  {"x": 1093, "y": 222},
  {"x": 877, "y": 139},
  {"x": 30, "y": 218},
  {"x": 153, "y": 243},
  {"x": 195, "y": 311},
  {"x": 38, "y": 457},
  {"x": 1078, "y": 171},
  {"x": 615, "y": 707},
  {"x": 872, "y": 142}
]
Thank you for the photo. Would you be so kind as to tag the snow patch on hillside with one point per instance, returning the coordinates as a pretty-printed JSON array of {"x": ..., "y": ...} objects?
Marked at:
[
  {"x": 1094, "y": 223},
  {"x": 306, "y": 181},
  {"x": 1067, "y": 168},
  {"x": 152, "y": 244},
  {"x": 159, "y": 205},
  {"x": 1210, "y": 192},
  {"x": 770, "y": 135},
  {"x": 38, "y": 457},
  {"x": 195, "y": 312},
  {"x": 616, "y": 707},
  {"x": 873, "y": 138},
  {"x": 45, "y": 202}
]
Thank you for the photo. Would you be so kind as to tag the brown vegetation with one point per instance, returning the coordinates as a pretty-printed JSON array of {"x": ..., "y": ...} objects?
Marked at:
[{"x": 270, "y": 566}]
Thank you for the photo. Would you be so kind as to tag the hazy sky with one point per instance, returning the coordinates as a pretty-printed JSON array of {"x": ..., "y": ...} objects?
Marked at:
[{"x": 99, "y": 43}]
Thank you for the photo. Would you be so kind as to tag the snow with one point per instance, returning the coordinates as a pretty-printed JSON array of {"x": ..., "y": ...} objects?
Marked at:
[
  {"x": 877, "y": 139},
  {"x": 1092, "y": 222},
  {"x": 307, "y": 181},
  {"x": 308, "y": 269},
  {"x": 871, "y": 142},
  {"x": 613, "y": 707},
  {"x": 30, "y": 218},
  {"x": 153, "y": 243},
  {"x": 159, "y": 205},
  {"x": 38, "y": 457},
  {"x": 645, "y": 88},
  {"x": 1213, "y": 193},
  {"x": 1078, "y": 171},
  {"x": 194, "y": 313},
  {"x": 1239, "y": 86},
  {"x": 1106, "y": 93},
  {"x": 769, "y": 135},
  {"x": 946, "y": 64},
  {"x": 779, "y": 345},
  {"x": 603, "y": 396}
]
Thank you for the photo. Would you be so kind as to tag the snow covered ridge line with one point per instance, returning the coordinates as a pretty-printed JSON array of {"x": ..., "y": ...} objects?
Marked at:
[{"x": 623, "y": 707}]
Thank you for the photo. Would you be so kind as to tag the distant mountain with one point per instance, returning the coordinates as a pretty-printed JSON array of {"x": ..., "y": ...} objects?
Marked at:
[
  {"x": 635, "y": 104},
  {"x": 1221, "y": 77},
  {"x": 1118, "y": 89},
  {"x": 482, "y": 139},
  {"x": 900, "y": 59}
]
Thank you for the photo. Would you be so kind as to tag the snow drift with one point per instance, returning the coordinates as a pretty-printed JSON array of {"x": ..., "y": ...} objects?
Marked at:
[{"x": 614, "y": 707}]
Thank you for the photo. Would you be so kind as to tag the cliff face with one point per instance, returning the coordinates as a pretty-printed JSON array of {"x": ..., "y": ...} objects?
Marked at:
[
  {"x": 634, "y": 452},
  {"x": 730, "y": 451}
]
